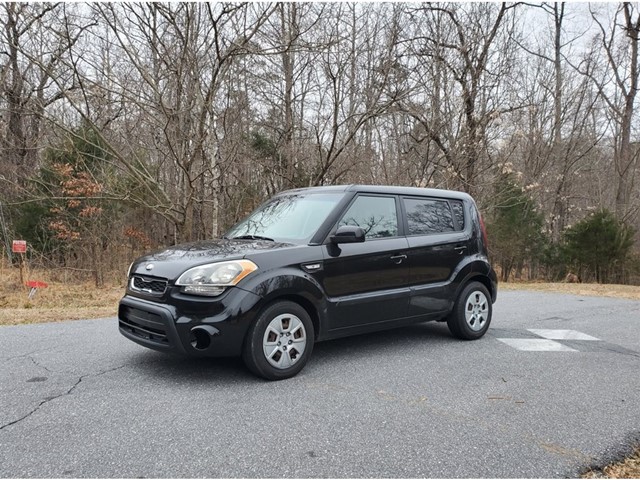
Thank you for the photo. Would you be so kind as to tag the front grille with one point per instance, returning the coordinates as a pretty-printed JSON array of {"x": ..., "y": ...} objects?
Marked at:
[
  {"x": 152, "y": 286},
  {"x": 146, "y": 325}
]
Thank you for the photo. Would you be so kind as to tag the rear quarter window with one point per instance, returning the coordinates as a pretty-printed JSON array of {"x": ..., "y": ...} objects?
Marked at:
[
  {"x": 458, "y": 212},
  {"x": 426, "y": 216}
]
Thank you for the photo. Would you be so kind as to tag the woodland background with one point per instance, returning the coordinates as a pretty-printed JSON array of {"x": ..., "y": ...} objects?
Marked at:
[{"x": 126, "y": 127}]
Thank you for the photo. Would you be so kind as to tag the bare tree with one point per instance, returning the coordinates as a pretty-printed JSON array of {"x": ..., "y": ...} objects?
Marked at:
[
  {"x": 466, "y": 47},
  {"x": 35, "y": 38},
  {"x": 169, "y": 64},
  {"x": 348, "y": 105},
  {"x": 616, "y": 78},
  {"x": 561, "y": 138}
]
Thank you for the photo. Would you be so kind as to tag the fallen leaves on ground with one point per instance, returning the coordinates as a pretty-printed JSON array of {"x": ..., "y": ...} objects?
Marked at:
[{"x": 628, "y": 468}]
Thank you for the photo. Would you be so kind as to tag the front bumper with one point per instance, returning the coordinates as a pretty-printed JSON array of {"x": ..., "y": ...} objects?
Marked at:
[{"x": 163, "y": 326}]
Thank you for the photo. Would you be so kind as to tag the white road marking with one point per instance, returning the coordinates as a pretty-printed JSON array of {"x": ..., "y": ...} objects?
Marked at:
[
  {"x": 536, "y": 345},
  {"x": 562, "y": 334}
]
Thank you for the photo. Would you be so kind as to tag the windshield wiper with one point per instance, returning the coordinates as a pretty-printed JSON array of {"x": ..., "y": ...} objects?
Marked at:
[{"x": 253, "y": 237}]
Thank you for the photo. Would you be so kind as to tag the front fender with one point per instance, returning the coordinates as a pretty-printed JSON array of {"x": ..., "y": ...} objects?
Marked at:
[{"x": 295, "y": 285}]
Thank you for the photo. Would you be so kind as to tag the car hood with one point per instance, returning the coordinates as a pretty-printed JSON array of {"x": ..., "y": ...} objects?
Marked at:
[{"x": 171, "y": 262}]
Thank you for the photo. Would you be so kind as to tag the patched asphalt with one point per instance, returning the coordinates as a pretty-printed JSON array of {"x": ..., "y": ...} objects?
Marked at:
[{"x": 79, "y": 400}]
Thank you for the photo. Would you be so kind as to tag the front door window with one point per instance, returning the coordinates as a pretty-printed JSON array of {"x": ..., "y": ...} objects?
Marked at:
[{"x": 375, "y": 215}]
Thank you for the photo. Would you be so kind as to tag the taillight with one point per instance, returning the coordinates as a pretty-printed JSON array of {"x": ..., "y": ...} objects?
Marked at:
[{"x": 483, "y": 229}]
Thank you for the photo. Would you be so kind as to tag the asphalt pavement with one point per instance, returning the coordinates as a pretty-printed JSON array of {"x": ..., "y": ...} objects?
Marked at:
[{"x": 552, "y": 388}]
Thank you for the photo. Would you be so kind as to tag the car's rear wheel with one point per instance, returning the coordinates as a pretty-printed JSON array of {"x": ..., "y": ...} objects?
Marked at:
[
  {"x": 280, "y": 341},
  {"x": 471, "y": 313}
]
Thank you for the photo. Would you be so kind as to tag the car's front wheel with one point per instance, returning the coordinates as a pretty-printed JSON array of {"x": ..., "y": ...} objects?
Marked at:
[
  {"x": 471, "y": 313},
  {"x": 280, "y": 341}
]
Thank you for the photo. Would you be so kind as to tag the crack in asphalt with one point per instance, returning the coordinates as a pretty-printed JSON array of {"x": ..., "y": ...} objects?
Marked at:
[
  {"x": 39, "y": 365},
  {"x": 68, "y": 392},
  {"x": 24, "y": 355}
]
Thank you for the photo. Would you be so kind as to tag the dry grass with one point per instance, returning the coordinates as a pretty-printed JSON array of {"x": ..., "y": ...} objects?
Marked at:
[
  {"x": 62, "y": 300},
  {"x": 591, "y": 289},
  {"x": 628, "y": 468}
]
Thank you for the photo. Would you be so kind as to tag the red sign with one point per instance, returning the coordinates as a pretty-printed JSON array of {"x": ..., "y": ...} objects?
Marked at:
[{"x": 19, "y": 246}]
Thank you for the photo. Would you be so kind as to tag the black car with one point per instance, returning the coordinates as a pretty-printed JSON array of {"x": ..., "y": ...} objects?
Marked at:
[{"x": 315, "y": 264}]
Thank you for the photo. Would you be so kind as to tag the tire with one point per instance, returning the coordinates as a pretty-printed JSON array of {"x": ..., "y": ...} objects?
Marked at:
[
  {"x": 279, "y": 342},
  {"x": 471, "y": 314}
]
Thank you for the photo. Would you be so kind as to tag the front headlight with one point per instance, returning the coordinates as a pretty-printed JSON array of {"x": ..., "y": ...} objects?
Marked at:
[{"x": 212, "y": 279}]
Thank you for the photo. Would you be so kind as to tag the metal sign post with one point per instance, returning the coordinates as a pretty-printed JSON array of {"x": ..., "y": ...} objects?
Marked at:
[{"x": 20, "y": 247}]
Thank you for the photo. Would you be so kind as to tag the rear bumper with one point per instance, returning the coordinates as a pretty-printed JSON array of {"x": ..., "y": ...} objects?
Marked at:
[
  {"x": 493, "y": 278},
  {"x": 494, "y": 292},
  {"x": 164, "y": 327}
]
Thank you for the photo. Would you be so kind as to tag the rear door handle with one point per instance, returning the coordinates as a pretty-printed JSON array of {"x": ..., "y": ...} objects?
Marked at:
[
  {"x": 397, "y": 259},
  {"x": 460, "y": 249}
]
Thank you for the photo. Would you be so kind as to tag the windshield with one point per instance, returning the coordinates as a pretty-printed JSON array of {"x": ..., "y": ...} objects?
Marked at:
[{"x": 290, "y": 218}]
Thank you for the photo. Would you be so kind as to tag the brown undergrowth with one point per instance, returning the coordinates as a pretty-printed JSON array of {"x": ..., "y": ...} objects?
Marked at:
[{"x": 65, "y": 298}]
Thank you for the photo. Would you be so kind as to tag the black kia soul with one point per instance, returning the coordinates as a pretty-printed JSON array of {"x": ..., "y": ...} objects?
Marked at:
[{"x": 315, "y": 264}]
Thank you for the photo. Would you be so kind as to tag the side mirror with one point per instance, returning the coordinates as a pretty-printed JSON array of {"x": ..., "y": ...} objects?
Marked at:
[{"x": 348, "y": 234}]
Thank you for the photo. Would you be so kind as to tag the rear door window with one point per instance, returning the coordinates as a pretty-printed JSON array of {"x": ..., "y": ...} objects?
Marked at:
[{"x": 427, "y": 216}]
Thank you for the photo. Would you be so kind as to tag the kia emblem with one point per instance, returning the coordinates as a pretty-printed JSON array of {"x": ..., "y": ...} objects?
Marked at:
[{"x": 149, "y": 266}]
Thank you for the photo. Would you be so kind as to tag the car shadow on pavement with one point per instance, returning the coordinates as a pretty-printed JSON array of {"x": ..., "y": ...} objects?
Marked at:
[
  {"x": 224, "y": 371},
  {"x": 398, "y": 339},
  {"x": 178, "y": 369}
]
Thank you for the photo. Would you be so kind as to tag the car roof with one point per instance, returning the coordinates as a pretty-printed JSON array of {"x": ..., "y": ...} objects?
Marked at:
[{"x": 384, "y": 189}]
